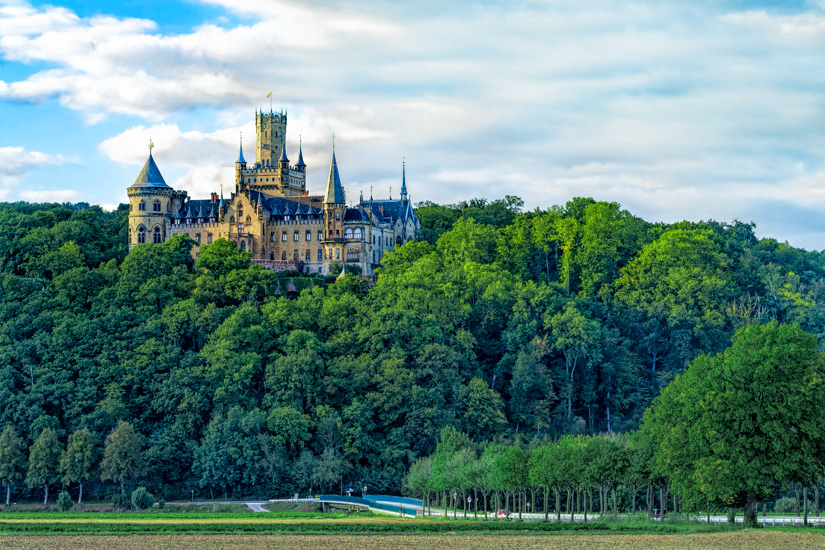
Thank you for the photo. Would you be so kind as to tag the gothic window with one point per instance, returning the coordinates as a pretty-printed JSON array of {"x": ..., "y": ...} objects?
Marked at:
[
  {"x": 142, "y": 206},
  {"x": 398, "y": 240},
  {"x": 309, "y": 235},
  {"x": 141, "y": 235},
  {"x": 296, "y": 237},
  {"x": 357, "y": 233},
  {"x": 283, "y": 256},
  {"x": 240, "y": 229},
  {"x": 271, "y": 255},
  {"x": 283, "y": 236},
  {"x": 348, "y": 233},
  {"x": 156, "y": 236},
  {"x": 337, "y": 253},
  {"x": 353, "y": 255},
  {"x": 240, "y": 210},
  {"x": 208, "y": 238},
  {"x": 156, "y": 206}
]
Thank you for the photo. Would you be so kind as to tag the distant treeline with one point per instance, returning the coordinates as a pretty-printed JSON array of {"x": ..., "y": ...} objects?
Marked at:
[{"x": 507, "y": 326}]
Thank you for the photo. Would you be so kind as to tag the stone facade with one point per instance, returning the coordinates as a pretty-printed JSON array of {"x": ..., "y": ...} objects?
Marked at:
[{"x": 271, "y": 214}]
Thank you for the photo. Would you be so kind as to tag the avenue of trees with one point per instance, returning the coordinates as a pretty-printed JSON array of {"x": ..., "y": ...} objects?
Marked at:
[
  {"x": 517, "y": 330},
  {"x": 734, "y": 430}
]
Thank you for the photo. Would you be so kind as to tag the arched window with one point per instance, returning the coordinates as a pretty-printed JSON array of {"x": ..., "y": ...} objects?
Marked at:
[
  {"x": 243, "y": 245},
  {"x": 357, "y": 233},
  {"x": 240, "y": 210},
  {"x": 156, "y": 235},
  {"x": 353, "y": 255},
  {"x": 141, "y": 235},
  {"x": 398, "y": 240},
  {"x": 156, "y": 206},
  {"x": 271, "y": 255},
  {"x": 348, "y": 233}
]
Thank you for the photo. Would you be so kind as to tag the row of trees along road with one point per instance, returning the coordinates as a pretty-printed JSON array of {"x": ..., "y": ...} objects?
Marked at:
[
  {"x": 731, "y": 431},
  {"x": 48, "y": 462},
  {"x": 506, "y": 325}
]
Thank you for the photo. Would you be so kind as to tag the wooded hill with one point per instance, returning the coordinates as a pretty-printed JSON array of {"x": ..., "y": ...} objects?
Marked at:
[{"x": 499, "y": 323}]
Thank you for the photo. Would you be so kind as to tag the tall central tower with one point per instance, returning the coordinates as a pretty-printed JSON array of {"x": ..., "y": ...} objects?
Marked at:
[{"x": 271, "y": 129}]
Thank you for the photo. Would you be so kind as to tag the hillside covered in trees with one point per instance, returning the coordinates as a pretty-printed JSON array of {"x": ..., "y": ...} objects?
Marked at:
[{"x": 504, "y": 325}]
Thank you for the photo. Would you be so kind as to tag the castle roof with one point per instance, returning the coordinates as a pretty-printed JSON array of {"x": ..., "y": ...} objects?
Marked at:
[
  {"x": 150, "y": 175},
  {"x": 335, "y": 191},
  {"x": 197, "y": 208},
  {"x": 280, "y": 206},
  {"x": 390, "y": 210},
  {"x": 355, "y": 215},
  {"x": 300, "y": 156}
]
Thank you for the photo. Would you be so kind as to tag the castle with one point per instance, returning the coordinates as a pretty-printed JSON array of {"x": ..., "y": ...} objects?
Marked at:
[{"x": 272, "y": 215}]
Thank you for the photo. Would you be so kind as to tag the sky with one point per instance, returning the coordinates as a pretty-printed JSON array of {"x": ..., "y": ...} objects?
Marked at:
[{"x": 697, "y": 110}]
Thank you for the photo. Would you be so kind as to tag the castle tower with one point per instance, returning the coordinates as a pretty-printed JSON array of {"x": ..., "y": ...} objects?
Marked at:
[
  {"x": 271, "y": 130},
  {"x": 404, "y": 180},
  {"x": 240, "y": 166},
  {"x": 334, "y": 210},
  {"x": 151, "y": 204}
]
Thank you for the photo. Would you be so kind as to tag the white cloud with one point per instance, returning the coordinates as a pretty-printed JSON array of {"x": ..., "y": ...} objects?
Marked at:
[
  {"x": 15, "y": 162},
  {"x": 677, "y": 110},
  {"x": 54, "y": 195}
]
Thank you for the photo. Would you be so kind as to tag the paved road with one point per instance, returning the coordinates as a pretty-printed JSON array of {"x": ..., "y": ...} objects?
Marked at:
[{"x": 254, "y": 506}]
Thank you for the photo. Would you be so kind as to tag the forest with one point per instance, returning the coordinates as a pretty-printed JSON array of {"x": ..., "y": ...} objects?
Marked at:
[{"x": 208, "y": 377}]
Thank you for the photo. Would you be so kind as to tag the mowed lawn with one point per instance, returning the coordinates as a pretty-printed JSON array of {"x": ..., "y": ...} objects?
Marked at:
[{"x": 740, "y": 540}]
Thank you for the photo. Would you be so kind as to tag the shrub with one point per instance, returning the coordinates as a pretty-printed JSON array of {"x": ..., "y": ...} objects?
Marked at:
[
  {"x": 142, "y": 499},
  {"x": 785, "y": 505},
  {"x": 64, "y": 501},
  {"x": 161, "y": 503}
]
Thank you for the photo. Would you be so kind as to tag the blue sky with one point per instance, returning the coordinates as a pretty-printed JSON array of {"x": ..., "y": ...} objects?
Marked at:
[{"x": 677, "y": 110}]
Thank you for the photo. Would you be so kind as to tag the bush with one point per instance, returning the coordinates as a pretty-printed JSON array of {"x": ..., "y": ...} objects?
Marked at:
[
  {"x": 161, "y": 503},
  {"x": 117, "y": 499},
  {"x": 64, "y": 501},
  {"x": 785, "y": 505},
  {"x": 142, "y": 499}
]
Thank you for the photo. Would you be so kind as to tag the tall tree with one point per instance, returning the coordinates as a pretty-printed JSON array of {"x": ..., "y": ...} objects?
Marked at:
[
  {"x": 79, "y": 459},
  {"x": 44, "y": 460},
  {"x": 736, "y": 423},
  {"x": 123, "y": 455},
  {"x": 12, "y": 460}
]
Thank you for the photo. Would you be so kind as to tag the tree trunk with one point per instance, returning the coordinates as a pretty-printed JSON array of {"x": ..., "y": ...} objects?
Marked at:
[
  {"x": 662, "y": 503},
  {"x": 570, "y": 506},
  {"x": 675, "y": 508},
  {"x": 796, "y": 490},
  {"x": 46, "y": 497},
  {"x": 8, "y": 494},
  {"x": 750, "y": 512},
  {"x": 546, "y": 501},
  {"x": 764, "y": 509},
  {"x": 615, "y": 504},
  {"x": 708, "y": 512},
  {"x": 586, "y": 494},
  {"x": 805, "y": 506},
  {"x": 80, "y": 496},
  {"x": 633, "y": 500},
  {"x": 649, "y": 499},
  {"x": 558, "y": 506},
  {"x": 731, "y": 515},
  {"x": 816, "y": 499},
  {"x": 475, "y": 504}
]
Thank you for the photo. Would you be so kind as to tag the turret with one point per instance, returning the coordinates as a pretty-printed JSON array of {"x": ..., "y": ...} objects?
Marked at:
[
  {"x": 335, "y": 191},
  {"x": 300, "y": 166},
  {"x": 404, "y": 180},
  {"x": 240, "y": 166},
  {"x": 151, "y": 203}
]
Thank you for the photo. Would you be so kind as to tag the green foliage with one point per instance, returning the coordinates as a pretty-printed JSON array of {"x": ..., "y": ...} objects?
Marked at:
[
  {"x": 142, "y": 499},
  {"x": 44, "y": 459},
  {"x": 64, "y": 501},
  {"x": 123, "y": 456},
  {"x": 12, "y": 458}
]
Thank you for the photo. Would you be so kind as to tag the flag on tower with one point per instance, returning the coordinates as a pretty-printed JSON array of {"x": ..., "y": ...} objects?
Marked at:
[{"x": 269, "y": 94}]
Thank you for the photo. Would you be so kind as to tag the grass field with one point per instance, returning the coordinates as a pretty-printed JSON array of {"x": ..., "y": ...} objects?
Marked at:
[{"x": 740, "y": 540}]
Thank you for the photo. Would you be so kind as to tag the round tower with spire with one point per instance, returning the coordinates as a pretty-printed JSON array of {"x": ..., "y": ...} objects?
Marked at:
[{"x": 151, "y": 205}]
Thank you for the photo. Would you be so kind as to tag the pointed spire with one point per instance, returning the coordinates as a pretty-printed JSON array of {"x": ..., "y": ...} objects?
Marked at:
[
  {"x": 335, "y": 191},
  {"x": 404, "y": 179},
  {"x": 300, "y": 153},
  {"x": 241, "y": 160},
  {"x": 150, "y": 175},
  {"x": 284, "y": 159}
]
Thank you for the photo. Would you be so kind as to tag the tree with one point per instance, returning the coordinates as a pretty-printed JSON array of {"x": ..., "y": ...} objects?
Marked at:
[
  {"x": 79, "y": 459},
  {"x": 142, "y": 499},
  {"x": 64, "y": 501},
  {"x": 736, "y": 424},
  {"x": 12, "y": 459},
  {"x": 123, "y": 455},
  {"x": 44, "y": 460}
]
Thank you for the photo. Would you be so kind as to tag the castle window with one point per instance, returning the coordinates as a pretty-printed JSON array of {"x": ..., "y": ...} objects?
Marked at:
[
  {"x": 272, "y": 237},
  {"x": 337, "y": 253},
  {"x": 295, "y": 256},
  {"x": 283, "y": 236},
  {"x": 308, "y": 256},
  {"x": 337, "y": 233},
  {"x": 353, "y": 255},
  {"x": 240, "y": 210},
  {"x": 208, "y": 238},
  {"x": 320, "y": 254},
  {"x": 156, "y": 236},
  {"x": 357, "y": 233},
  {"x": 198, "y": 238},
  {"x": 296, "y": 237},
  {"x": 320, "y": 236},
  {"x": 141, "y": 235},
  {"x": 337, "y": 215},
  {"x": 156, "y": 206},
  {"x": 272, "y": 256},
  {"x": 348, "y": 233},
  {"x": 142, "y": 206},
  {"x": 240, "y": 229},
  {"x": 283, "y": 256},
  {"x": 309, "y": 235},
  {"x": 243, "y": 245}
]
